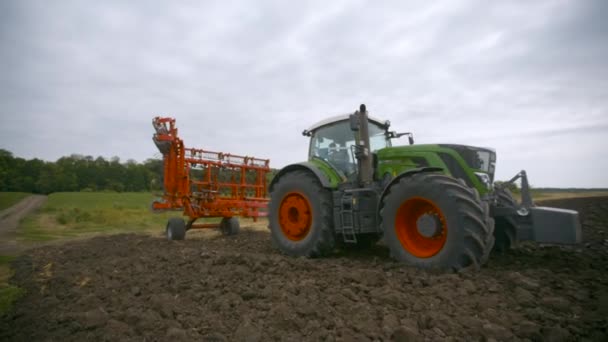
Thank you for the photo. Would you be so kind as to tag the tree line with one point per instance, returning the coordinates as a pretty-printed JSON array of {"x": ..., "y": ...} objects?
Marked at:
[
  {"x": 85, "y": 173},
  {"x": 78, "y": 173}
]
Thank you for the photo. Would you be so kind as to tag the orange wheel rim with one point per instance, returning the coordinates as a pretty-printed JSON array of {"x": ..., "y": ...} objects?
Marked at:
[
  {"x": 295, "y": 216},
  {"x": 421, "y": 227}
]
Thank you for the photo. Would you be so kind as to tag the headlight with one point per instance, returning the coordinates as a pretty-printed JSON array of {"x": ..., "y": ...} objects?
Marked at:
[{"x": 484, "y": 179}]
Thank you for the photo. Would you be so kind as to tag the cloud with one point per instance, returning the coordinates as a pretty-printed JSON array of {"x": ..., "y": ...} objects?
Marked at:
[{"x": 247, "y": 78}]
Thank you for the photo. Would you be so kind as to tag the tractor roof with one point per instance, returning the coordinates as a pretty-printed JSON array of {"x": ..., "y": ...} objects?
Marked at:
[{"x": 342, "y": 117}]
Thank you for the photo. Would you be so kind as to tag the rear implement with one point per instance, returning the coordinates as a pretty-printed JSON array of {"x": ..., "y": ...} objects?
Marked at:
[
  {"x": 525, "y": 221},
  {"x": 206, "y": 184}
]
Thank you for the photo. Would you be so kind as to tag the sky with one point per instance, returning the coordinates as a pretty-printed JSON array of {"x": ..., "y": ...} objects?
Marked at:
[{"x": 527, "y": 78}]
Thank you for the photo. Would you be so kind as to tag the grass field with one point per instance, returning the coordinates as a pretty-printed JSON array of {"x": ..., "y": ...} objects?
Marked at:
[
  {"x": 77, "y": 214},
  {"x": 540, "y": 195},
  {"x": 8, "y": 199}
]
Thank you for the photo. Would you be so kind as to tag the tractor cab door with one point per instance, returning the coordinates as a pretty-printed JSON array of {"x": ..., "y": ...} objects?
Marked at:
[{"x": 333, "y": 143}]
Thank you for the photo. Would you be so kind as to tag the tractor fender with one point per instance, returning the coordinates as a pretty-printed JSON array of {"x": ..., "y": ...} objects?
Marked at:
[
  {"x": 404, "y": 174},
  {"x": 302, "y": 166}
]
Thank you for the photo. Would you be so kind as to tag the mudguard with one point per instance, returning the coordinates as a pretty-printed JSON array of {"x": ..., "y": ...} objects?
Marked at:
[
  {"x": 402, "y": 175},
  {"x": 327, "y": 181}
]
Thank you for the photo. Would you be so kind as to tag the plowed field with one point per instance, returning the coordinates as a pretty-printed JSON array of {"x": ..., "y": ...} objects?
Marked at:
[{"x": 225, "y": 288}]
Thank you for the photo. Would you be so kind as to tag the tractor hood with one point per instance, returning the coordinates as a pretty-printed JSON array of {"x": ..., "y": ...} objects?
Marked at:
[
  {"x": 460, "y": 160},
  {"x": 465, "y": 149}
]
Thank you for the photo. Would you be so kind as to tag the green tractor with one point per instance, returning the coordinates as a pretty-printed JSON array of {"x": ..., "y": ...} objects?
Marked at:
[{"x": 435, "y": 206}]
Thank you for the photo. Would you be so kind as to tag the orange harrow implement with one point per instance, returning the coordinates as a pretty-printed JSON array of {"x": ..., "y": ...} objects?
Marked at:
[{"x": 207, "y": 184}]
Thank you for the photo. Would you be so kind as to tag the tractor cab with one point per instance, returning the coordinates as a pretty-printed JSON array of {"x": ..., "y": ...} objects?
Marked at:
[{"x": 333, "y": 141}]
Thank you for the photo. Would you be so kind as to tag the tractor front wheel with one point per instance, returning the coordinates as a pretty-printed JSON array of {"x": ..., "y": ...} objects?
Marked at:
[
  {"x": 431, "y": 220},
  {"x": 300, "y": 216}
]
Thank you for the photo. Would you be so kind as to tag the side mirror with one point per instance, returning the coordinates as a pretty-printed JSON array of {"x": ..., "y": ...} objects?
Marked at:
[
  {"x": 354, "y": 122},
  {"x": 394, "y": 134}
]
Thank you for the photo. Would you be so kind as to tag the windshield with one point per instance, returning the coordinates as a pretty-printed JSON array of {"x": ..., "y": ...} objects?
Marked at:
[
  {"x": 333, "y": 143},
  {"x": 483, "y": 159},
  {"x": 476, "y": 158}
]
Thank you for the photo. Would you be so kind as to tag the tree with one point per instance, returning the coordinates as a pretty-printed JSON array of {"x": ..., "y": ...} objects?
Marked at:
[{"x": 78, "y": 173}]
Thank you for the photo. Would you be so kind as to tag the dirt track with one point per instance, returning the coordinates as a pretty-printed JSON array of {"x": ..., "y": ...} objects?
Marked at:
[
  {"x": 131, "y": 287},
  {"x": 9, "y": 220}
]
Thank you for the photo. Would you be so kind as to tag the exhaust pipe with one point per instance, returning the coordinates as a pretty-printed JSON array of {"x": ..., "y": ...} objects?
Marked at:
[{"x": 359, "y": 122}]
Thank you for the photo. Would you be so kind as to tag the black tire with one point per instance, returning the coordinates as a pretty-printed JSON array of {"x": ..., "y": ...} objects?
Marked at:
[
  {"x": 305, "y": 227},
  {"x": 490, "y": 238},
  {"x": 176, "y": 229},
  {"x": 488, "y": 220},
  {"x": 505, "y": 231},
  {"x": 504, "y": 197},
  {"x": 230, "y": 226},
  {"x": 466, "y": 229}
]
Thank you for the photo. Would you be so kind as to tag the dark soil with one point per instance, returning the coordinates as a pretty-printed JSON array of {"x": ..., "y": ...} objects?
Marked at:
[{"x": 132, "y": 287}]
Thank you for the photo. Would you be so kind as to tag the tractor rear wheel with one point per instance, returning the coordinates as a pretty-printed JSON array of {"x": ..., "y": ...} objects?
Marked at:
[
  {"x": 230, "y": 226},
  {"x": 176, "y": 228},
  {"x": 300, "y": 216},
  {"x": 505, "y": 231},
  {"x": 431, "y": 220}
]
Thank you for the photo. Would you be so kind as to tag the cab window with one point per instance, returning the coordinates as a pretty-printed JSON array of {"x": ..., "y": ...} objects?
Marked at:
[{"x": 333, "y": 143}]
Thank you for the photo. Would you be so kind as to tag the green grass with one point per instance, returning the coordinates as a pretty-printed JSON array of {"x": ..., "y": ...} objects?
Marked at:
[
  {"x": 79, "y": 214},
  {"x": 8, "y": 293},
  {"x": 8, "y": 199},
  {"x": 543, "y": 195},
  {"x": 99, "y": 200}
]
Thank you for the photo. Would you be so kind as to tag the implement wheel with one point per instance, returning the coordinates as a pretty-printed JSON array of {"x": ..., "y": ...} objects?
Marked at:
[
  {"x": 431, "y": 220},
  {"x": 300, "y": 216},
  {"x": 230, "y": 226},
  {"x": 505, "y": 231},
  {"x": 176, "y": 229}
]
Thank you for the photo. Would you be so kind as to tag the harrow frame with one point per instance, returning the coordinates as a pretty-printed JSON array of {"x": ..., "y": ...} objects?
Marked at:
[{"x": 208, "y": 184}]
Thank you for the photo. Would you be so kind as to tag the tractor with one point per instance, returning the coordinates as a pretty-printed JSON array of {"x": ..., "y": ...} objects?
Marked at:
[{"x": 433, "y": 205}]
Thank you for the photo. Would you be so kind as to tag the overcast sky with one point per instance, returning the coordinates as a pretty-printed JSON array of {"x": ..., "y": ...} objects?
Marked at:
[{"x": 528, "y": 78}]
